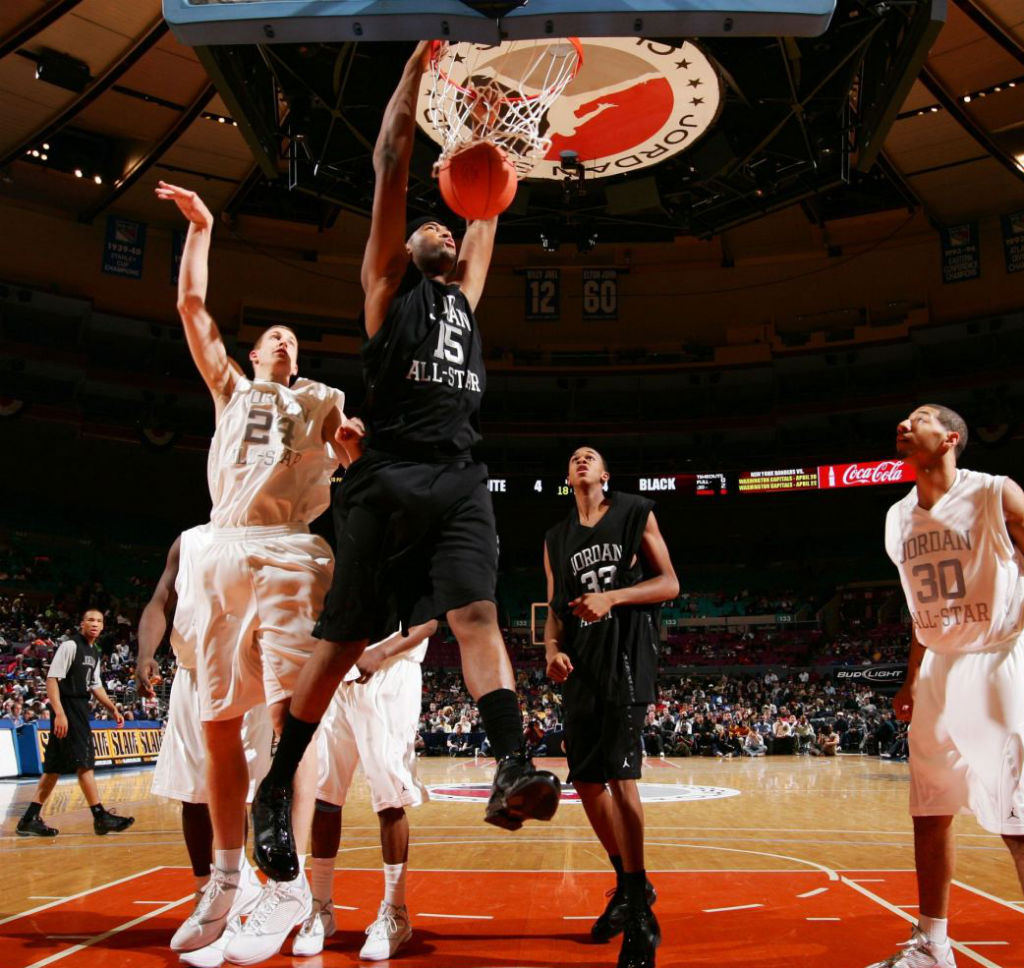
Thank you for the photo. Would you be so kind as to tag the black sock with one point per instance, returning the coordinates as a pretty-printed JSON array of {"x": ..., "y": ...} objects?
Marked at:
[
  {"x": 616, "y": 862},
  {"x": 634, "y": 887},
  {"x": 32, "y": 811},
  {"x": 502, "y": 721},
  {"x": 291, "y": 747},
  {"x": 97, "y": 810}
]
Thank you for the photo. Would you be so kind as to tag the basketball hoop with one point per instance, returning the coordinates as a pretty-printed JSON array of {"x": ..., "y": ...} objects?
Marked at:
[{"x": 501, "y": 100}]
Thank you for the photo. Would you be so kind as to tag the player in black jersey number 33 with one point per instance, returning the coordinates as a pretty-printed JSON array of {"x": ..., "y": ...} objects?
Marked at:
[
  {"x": 608, "y": 570},
  {"x": 413, "y": 518}
]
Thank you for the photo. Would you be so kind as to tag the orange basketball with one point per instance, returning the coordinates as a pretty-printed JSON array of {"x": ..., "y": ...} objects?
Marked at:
[{"x": 478, "y": 181}]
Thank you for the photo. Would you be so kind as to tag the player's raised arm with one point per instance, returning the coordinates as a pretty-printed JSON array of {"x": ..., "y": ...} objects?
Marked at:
[
  {"x": 385, "y": 257},
  {"x": 217, "y": 369},
  {"x": 475, "y": 258}
]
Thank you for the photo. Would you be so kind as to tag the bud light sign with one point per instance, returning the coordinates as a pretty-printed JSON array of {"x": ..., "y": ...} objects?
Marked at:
[{"x": 865, "y": 473}]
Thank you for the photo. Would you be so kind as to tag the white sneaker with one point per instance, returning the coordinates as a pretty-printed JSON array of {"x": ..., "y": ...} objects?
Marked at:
[
  {"x": 282, "y": 905},
  {"x": 387, "y": 934},
  {"x": 227, "y": 895},
  {"x": 919, "y": 952},
  {"x": 315, "y": 929},
  {"x": 212, "y": 956}
]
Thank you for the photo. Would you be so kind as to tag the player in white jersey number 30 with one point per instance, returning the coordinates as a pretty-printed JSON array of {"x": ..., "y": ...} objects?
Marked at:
[{"x": 958, "y": 542}]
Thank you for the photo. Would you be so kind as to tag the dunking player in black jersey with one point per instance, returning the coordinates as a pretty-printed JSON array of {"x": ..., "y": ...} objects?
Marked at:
[
  {"x": 414, "y": 521},
  {"x": 608, "y": 568}
]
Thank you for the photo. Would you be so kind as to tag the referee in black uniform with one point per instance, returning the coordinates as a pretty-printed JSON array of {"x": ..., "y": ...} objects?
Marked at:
[
  {"x": 413, "y": 518},
  {"x": 73, "y": 675},
  {"x": 608, "y": 570}
]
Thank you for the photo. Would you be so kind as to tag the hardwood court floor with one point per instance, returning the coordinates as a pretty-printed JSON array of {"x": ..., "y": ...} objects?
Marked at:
[{"x": 809, "y": 863}]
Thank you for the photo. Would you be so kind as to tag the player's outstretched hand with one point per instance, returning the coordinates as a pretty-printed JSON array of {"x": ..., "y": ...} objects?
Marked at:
[
  {"x": 350, "y": 434},
  {"x": 189, "y": 204},
  {"x": 559, "y": 667},
  {"x": 591, "y": 607},
  {"x": 147, "y": 674},
  {"x": 368, "y": 663},
  {"x": 903, "y": 703}
]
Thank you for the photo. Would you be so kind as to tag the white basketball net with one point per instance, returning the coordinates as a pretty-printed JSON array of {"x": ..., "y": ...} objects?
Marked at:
[{"x": 482, "y": 93}]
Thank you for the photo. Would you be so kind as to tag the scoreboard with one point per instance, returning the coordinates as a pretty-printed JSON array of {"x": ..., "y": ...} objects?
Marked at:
[{"x": 710, "y": 484}]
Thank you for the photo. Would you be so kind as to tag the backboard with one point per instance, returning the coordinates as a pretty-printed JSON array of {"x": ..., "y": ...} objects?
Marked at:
[{"x": 214, "y": 22}]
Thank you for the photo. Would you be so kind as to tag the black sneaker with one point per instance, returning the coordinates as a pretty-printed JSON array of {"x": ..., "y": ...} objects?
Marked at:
[
  {"x": 640, "y": 938},
  {"x": 273, "y": 843},
  {"x": 521, "y": 792},
  {"x": 108, "y": 822},
  {"x": 35, "y": 827},
  {"x": 613, "y": 920}
]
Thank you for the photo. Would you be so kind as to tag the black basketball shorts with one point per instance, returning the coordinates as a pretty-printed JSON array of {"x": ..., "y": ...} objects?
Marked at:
[
  {"x": 413, "y": 541},
  {"x": 74, "y": 751},
  {"x": 603, "y": 738}
]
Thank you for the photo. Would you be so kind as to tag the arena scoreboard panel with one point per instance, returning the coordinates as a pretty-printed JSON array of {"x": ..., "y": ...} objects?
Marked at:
[
  {"x": 212, "y": 22},
  {"x": 824, "y": 477}
]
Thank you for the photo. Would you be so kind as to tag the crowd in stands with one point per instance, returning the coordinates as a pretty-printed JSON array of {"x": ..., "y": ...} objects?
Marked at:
[
  {"x": 30, "y": 634},
  {"x": 724, "y": 716}
]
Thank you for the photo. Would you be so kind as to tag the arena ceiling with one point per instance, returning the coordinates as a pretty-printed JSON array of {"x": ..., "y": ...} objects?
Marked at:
[{"x": 845, "y": 126}]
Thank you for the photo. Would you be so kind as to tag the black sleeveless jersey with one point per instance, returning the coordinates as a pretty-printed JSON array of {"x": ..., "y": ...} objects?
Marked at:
[
  {"x": 619, "y": 652},
  {"x": 425, "y": 375},
  {"x": 77, "y": 682}
]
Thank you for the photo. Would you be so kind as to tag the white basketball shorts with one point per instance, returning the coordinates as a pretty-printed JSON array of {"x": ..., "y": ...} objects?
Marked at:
[
  {"x": 258, "y": 592},
  {"x": 967, "y": 738},
  {"x": 180, "y": 772},
  {"x": 374, "y": 723}
]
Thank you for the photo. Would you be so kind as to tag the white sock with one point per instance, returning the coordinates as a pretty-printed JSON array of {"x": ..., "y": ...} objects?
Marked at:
[
  {"x": 934, "y": 929},
  {"x": 229, "y": 861},
  {"x": 394, "y": 884},
  {"x": 322, "y": 871}
]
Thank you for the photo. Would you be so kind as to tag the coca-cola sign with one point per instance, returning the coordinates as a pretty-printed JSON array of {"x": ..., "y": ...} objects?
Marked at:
[{"x": 865, "y": 474}]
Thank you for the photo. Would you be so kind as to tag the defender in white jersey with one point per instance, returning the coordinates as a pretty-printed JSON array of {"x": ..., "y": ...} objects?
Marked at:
[
  {"x": 372, "y": 720},
  {"x": 258, "y": 587},
  {"x": 180, "y": 771},
  {"x": 957, "y": 540}
]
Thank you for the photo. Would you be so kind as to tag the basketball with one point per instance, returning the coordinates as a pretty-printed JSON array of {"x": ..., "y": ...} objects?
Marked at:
[{"x": 478, "y": 182}]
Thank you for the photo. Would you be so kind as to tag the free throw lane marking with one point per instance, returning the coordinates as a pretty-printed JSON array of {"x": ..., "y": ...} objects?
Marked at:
[{"x": 738, "y": 907}]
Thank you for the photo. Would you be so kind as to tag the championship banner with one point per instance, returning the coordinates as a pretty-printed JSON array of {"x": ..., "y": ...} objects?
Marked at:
[
  {"x": 865, "y": 474},
  {"x": 884, "y": 678},
  {"x": 1013, "y": 241},
  {"x": 961, "y": 257},
  {"x": 124, "y": 247},
  {"x": 117, "y": 746}
]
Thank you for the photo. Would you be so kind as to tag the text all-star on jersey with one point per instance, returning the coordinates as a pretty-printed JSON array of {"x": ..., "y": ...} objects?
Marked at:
[
  {"x": 618, "y": 654},
  {"x": 268, "y": 463},
  {"x": 959, "y": 568},
  {"x": 425, "y": 373}
]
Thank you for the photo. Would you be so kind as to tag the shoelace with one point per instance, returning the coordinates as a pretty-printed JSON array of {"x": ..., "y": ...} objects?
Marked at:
[
  {"x": 385, "y": 925},
  {"x": 916, "y": 943},
  {"x": 213, "y": 890},
  {"x": 319, "y": 911},
  {"x": 267, "y": 905}
]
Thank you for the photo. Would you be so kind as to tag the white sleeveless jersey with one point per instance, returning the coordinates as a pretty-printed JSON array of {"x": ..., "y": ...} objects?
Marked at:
[
  {"x": 268, "y": 464},
  {"x": 960, "y": 570},
  {"x": 191, "y": 545}
]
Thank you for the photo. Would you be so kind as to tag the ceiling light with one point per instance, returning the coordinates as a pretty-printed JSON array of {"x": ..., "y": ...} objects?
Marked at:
[
  {"x": 967, "y": 99},
  {"x": 44, "y": 156},
  {"x": 35, "y": 153},
  {"x": 46, "y": 147},
  {"x": 98, "y": 179},
  {"x": 78, "y": 173}
]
